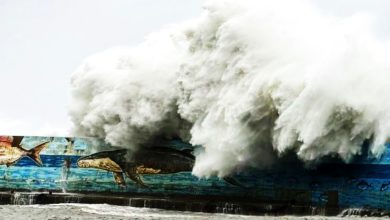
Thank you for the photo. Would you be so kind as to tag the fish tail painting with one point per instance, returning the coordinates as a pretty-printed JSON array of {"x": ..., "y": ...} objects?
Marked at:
[
  {"x": 34, "y": 153},
  {"x": 11, "y": 151}
]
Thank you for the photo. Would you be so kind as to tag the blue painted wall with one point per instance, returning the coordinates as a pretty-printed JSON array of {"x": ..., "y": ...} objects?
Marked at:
[{"x": 363, "y": 183}]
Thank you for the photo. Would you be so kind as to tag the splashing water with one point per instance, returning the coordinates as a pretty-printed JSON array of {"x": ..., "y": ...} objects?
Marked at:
[{"x": 247, "y": 80}]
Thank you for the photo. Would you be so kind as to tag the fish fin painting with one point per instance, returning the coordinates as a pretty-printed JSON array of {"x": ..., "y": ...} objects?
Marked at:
[
  {"x": 34, "y": 153},
  {"x": 118, "y": 177},
  {"x": 136, "y": 178},
  {"x": 11, "y": 163},
  {"x": 16, "y": 140}
]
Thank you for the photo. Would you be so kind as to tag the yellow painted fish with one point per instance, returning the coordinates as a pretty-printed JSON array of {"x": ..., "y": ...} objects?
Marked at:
[
  {"x": 154, "y": 160},
  {"x": 11, "y": 151}
]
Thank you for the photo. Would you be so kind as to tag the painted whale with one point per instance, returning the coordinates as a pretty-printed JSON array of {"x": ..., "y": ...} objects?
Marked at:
[
  {"x": 156, "y": 160},
  {"x": 11, "y": 151}
]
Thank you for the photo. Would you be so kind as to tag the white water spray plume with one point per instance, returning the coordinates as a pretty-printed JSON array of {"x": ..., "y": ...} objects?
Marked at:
[{"x": 247, "y": 80}]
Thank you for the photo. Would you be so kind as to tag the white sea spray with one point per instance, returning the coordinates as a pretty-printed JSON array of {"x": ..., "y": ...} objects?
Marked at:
[{"x": 247, "y": 80}]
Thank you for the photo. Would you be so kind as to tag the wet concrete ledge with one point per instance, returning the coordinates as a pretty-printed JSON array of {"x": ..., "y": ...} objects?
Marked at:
[{"x": 210, "y": 204}]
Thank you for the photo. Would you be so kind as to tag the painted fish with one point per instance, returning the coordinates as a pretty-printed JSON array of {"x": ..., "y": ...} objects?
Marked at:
[
  {"x": 11, "y": 151},
  {"x": 156, "y": 160}
]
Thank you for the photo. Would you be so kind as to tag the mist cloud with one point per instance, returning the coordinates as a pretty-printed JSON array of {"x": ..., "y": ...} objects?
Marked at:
[{"x": 247, "y": 80}]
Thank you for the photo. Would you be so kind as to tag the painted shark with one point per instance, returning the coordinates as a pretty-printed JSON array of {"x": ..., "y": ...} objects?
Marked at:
[
  {"x": 11, "y": 151},
  {"x": 156, "y": 160}
]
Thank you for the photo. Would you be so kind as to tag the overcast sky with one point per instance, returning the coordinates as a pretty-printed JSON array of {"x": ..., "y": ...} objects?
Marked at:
[{"x": 42, "y": 42}]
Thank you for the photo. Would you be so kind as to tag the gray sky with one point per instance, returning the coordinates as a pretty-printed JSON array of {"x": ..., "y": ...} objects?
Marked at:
[{"x": 42, "y": 42}]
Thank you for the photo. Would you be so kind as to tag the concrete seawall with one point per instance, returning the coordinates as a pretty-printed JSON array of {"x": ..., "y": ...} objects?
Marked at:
[
  {"x": 209, "y": 204},
  {"x": 205, "y": 204}
]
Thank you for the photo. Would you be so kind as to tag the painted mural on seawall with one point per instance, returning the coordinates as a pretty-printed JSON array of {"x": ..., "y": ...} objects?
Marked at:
[{"x": 70, "y": 164}]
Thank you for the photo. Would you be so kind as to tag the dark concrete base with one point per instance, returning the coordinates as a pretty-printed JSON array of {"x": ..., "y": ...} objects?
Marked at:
[
  {"x": 194, "y": 204},
  {"x": 209, "y": 204}
]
